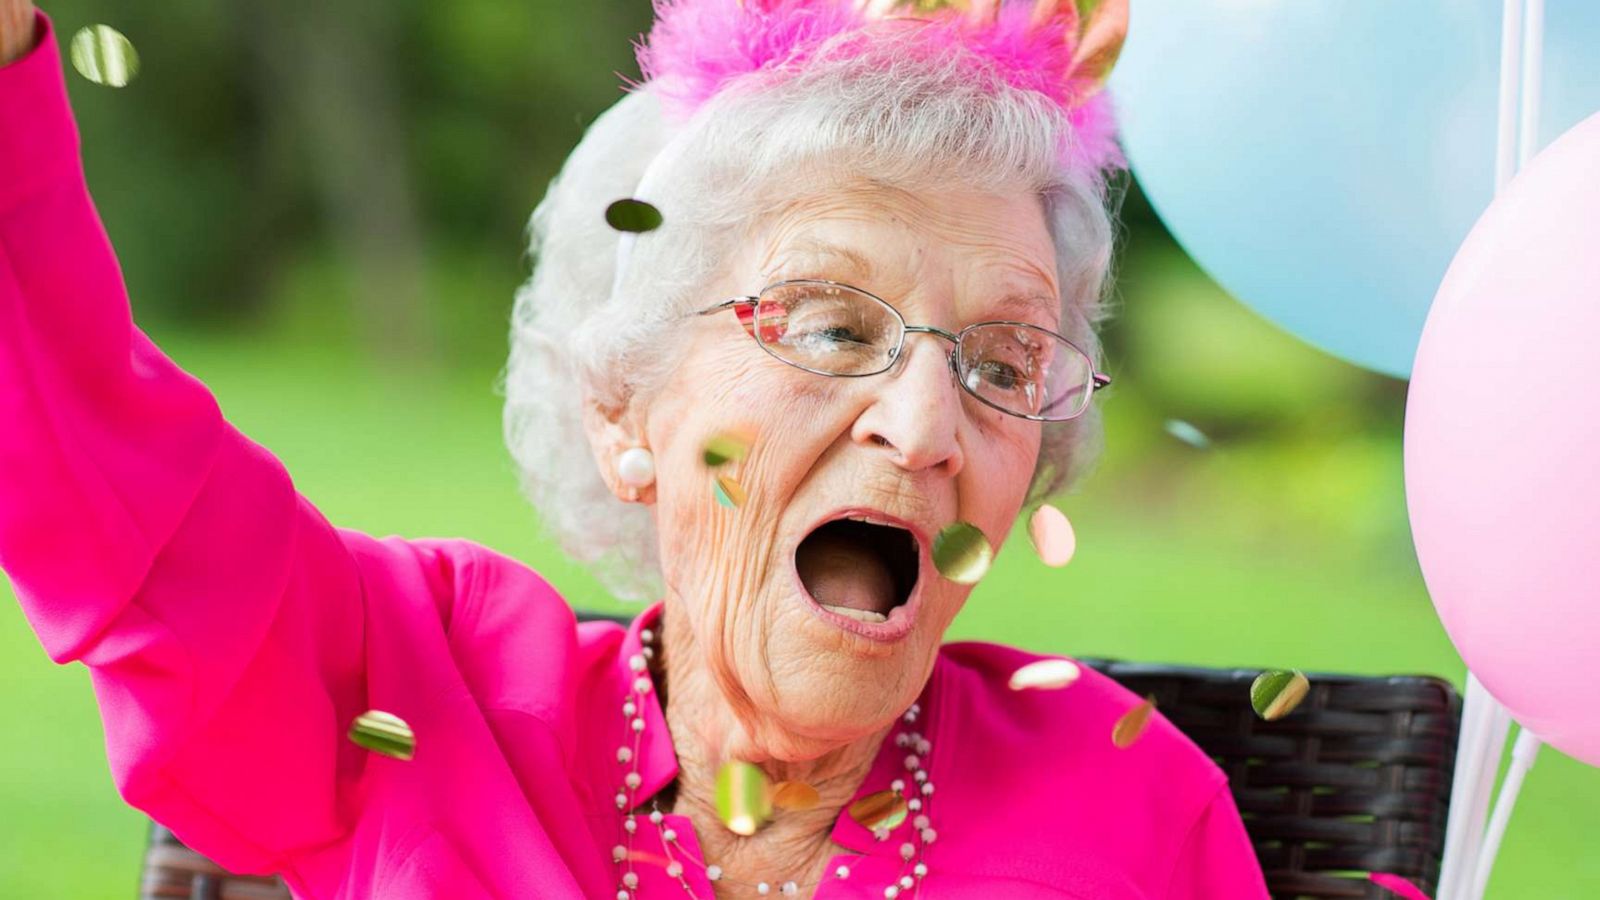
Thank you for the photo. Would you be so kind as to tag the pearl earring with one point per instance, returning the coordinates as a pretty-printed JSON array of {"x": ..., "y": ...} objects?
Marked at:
[{"x": 636, "y": 466}]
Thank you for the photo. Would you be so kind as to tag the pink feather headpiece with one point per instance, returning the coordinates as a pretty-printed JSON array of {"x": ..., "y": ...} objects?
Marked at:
[{"x": 697, "y": 47}]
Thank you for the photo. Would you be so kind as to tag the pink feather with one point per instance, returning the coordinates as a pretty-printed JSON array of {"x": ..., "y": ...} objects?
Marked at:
[
  {"x": 1396, "y": 885},
  {"x": 697, "y": 47}
]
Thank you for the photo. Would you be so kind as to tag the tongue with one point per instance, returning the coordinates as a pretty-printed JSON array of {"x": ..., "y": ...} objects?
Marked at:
[{"x": 840, "y": 572}]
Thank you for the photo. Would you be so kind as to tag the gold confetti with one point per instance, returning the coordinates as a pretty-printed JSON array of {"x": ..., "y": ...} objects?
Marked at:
[
  {"x": 633, "y": 215},
  {"x": 1052, "y": 536},
  {"x": 1045, "y": 674},
  {"x": 744, "y": 797},
  {"x": 384, "y": 733},
  {"x": 1276, "y": 692},
  {"x": 1131, "y": 726},
  {"x": 884, "y": 809},
  {"x": 725, "y": 447},
  {"x": 794, "y": 796},
  {"x": 961, "y": 553},
  {"x": 728, "y": 492},
  {"x": 104, "y": 56}
]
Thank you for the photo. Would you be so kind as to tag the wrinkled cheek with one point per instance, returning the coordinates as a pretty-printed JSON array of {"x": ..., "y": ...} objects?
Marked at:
[
  {"x": 720, "y": 562},
  {"x": 707, "y": 551},
  {"x": 949, "y": 603},
  {"x": 995, "y": 487},
  {"x": 725, "y": 563},
  {"x": 781, "y": 413}
]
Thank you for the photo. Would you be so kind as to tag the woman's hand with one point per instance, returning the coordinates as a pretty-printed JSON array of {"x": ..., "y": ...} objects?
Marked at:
[{"x": 16, "y": 29}]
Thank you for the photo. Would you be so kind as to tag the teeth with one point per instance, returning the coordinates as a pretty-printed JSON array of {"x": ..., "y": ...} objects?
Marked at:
[{"x": 860, "y": 615}]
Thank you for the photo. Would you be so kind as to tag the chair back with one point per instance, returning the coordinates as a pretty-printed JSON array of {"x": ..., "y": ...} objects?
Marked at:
[
  {"x": 1355, "y": 780},
  {"x": 172, "y": 871}
]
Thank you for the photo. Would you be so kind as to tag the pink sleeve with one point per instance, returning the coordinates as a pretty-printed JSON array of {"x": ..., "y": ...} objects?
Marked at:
[
  {"x": 1217, "y": 858},
  {"x": 224, "y": 620}
]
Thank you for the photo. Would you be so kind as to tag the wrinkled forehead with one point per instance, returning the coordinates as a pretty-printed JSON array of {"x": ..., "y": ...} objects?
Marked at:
[{"x": 983, "y": 244}]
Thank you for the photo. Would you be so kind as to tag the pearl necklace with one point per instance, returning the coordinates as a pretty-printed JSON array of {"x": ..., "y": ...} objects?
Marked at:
[{"x": 918, "y": 796}]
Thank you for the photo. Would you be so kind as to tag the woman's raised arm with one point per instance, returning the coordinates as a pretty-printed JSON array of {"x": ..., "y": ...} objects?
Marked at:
[
  {"x": 227, "y": 625},
  {"x": 16, "y": 29}
]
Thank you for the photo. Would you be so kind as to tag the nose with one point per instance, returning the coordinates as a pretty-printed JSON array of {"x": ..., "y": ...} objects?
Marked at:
[{"x": 916, "y": 413}]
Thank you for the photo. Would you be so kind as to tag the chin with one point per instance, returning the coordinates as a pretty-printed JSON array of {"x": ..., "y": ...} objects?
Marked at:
[
  {"x": 831, "y": 683},
  {"x": 839, "y": 696}
]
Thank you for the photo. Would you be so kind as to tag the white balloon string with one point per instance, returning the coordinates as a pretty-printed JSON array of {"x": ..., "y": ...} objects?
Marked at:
[
  {"x": 1505, "y": 152},
  {"x": 1484, "y": 724},
  {"x": 1469, "y": 754},
  {"x": 1532, "y": 81},
  {"x": 1469, "y": 850},
  {"x": 1523, "y": 754},
  {"x": 1482, "y": 791},
  {"x": 1525, "y": 91}
]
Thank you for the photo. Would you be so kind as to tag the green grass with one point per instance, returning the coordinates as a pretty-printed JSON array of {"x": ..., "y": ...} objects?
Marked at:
[{"x": 1290, "y": 553}]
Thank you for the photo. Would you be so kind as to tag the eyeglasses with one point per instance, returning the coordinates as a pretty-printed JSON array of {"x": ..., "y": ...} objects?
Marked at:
[{"x": 834, "y": 329}]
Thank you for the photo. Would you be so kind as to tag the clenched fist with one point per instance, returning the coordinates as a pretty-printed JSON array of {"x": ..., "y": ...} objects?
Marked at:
[{"x": 16, "y": 29}]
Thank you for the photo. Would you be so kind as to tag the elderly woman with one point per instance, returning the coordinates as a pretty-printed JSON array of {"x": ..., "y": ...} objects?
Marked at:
[{"x": 861, "y": 331}]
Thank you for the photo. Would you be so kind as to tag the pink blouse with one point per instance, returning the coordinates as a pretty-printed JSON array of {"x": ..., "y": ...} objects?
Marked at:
[{"x": 234, "y": 634}]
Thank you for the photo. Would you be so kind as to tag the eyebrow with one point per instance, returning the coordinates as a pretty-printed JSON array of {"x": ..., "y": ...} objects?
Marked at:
[
  {"x": 861, "y": 266},
  {"x": 857, "y": 262},
  {"x": 1048, "y": 307}
]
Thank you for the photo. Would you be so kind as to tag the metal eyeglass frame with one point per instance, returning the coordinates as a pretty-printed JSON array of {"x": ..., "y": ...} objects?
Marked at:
[{"x": 1098, "y": 379}]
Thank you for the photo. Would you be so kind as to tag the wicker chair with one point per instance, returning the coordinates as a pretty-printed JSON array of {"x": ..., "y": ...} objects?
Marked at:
[{"x": 1355, "y": 780}]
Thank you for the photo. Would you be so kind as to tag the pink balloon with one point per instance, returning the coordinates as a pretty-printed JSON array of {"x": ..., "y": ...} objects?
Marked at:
[{"x": 1502, "y": 446}]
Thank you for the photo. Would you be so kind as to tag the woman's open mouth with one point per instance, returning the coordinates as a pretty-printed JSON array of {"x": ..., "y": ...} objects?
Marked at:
[{"x": 861, "y": 570}]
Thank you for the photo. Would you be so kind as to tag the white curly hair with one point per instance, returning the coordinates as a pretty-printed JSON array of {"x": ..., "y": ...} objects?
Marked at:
[{"x": 891, "y": 117}]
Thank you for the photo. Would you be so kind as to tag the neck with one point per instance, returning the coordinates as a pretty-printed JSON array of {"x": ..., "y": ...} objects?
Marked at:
[{"x": 709, "y": 728}]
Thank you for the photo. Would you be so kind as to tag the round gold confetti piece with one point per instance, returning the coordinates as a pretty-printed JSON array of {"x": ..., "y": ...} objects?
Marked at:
[
  {"x": 384, "y": 733},
  {"x": 1052, "y": 536},
  {"x": 744, "y": 798},
  {"x": 794, "y": 796},
  {"x": 728, "y": 492},
  {"x": 961, "y": 553},
  {"x": 104, "y": 56},
  {"x": 633, "y": 215},
  {"x": 1188, "y": 433},
  {"x": 1276, "y": 692},
  {"x": 884, "y": 809},
  {"x": 1045, "y": 674},
  {"x": 725, "y": 447},
  {"x": 1131, "y": 726}
]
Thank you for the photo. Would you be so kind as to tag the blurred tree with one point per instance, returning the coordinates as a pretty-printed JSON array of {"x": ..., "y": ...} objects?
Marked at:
[
  {"x": 329, "y": 69},
  {"x": 403, "y": 142}
]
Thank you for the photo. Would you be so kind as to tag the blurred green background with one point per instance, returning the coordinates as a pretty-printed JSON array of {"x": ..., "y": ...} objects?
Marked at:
[{"x": 319, "y": 207}]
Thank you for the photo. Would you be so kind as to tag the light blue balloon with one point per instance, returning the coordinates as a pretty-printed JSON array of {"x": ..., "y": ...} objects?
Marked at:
[{"x": 1323, "y": 159}]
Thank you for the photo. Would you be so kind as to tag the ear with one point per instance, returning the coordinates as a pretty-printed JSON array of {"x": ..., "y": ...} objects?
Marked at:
[{"x": 613, "y": 427}]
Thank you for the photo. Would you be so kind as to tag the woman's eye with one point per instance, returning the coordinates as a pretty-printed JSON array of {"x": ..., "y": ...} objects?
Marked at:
[
  {"x": 842, "y": 334},
  {"x": 831, "y": 339},
  {"x": 1002, "y": 375},
  {"x": 825, "y": 333}
]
